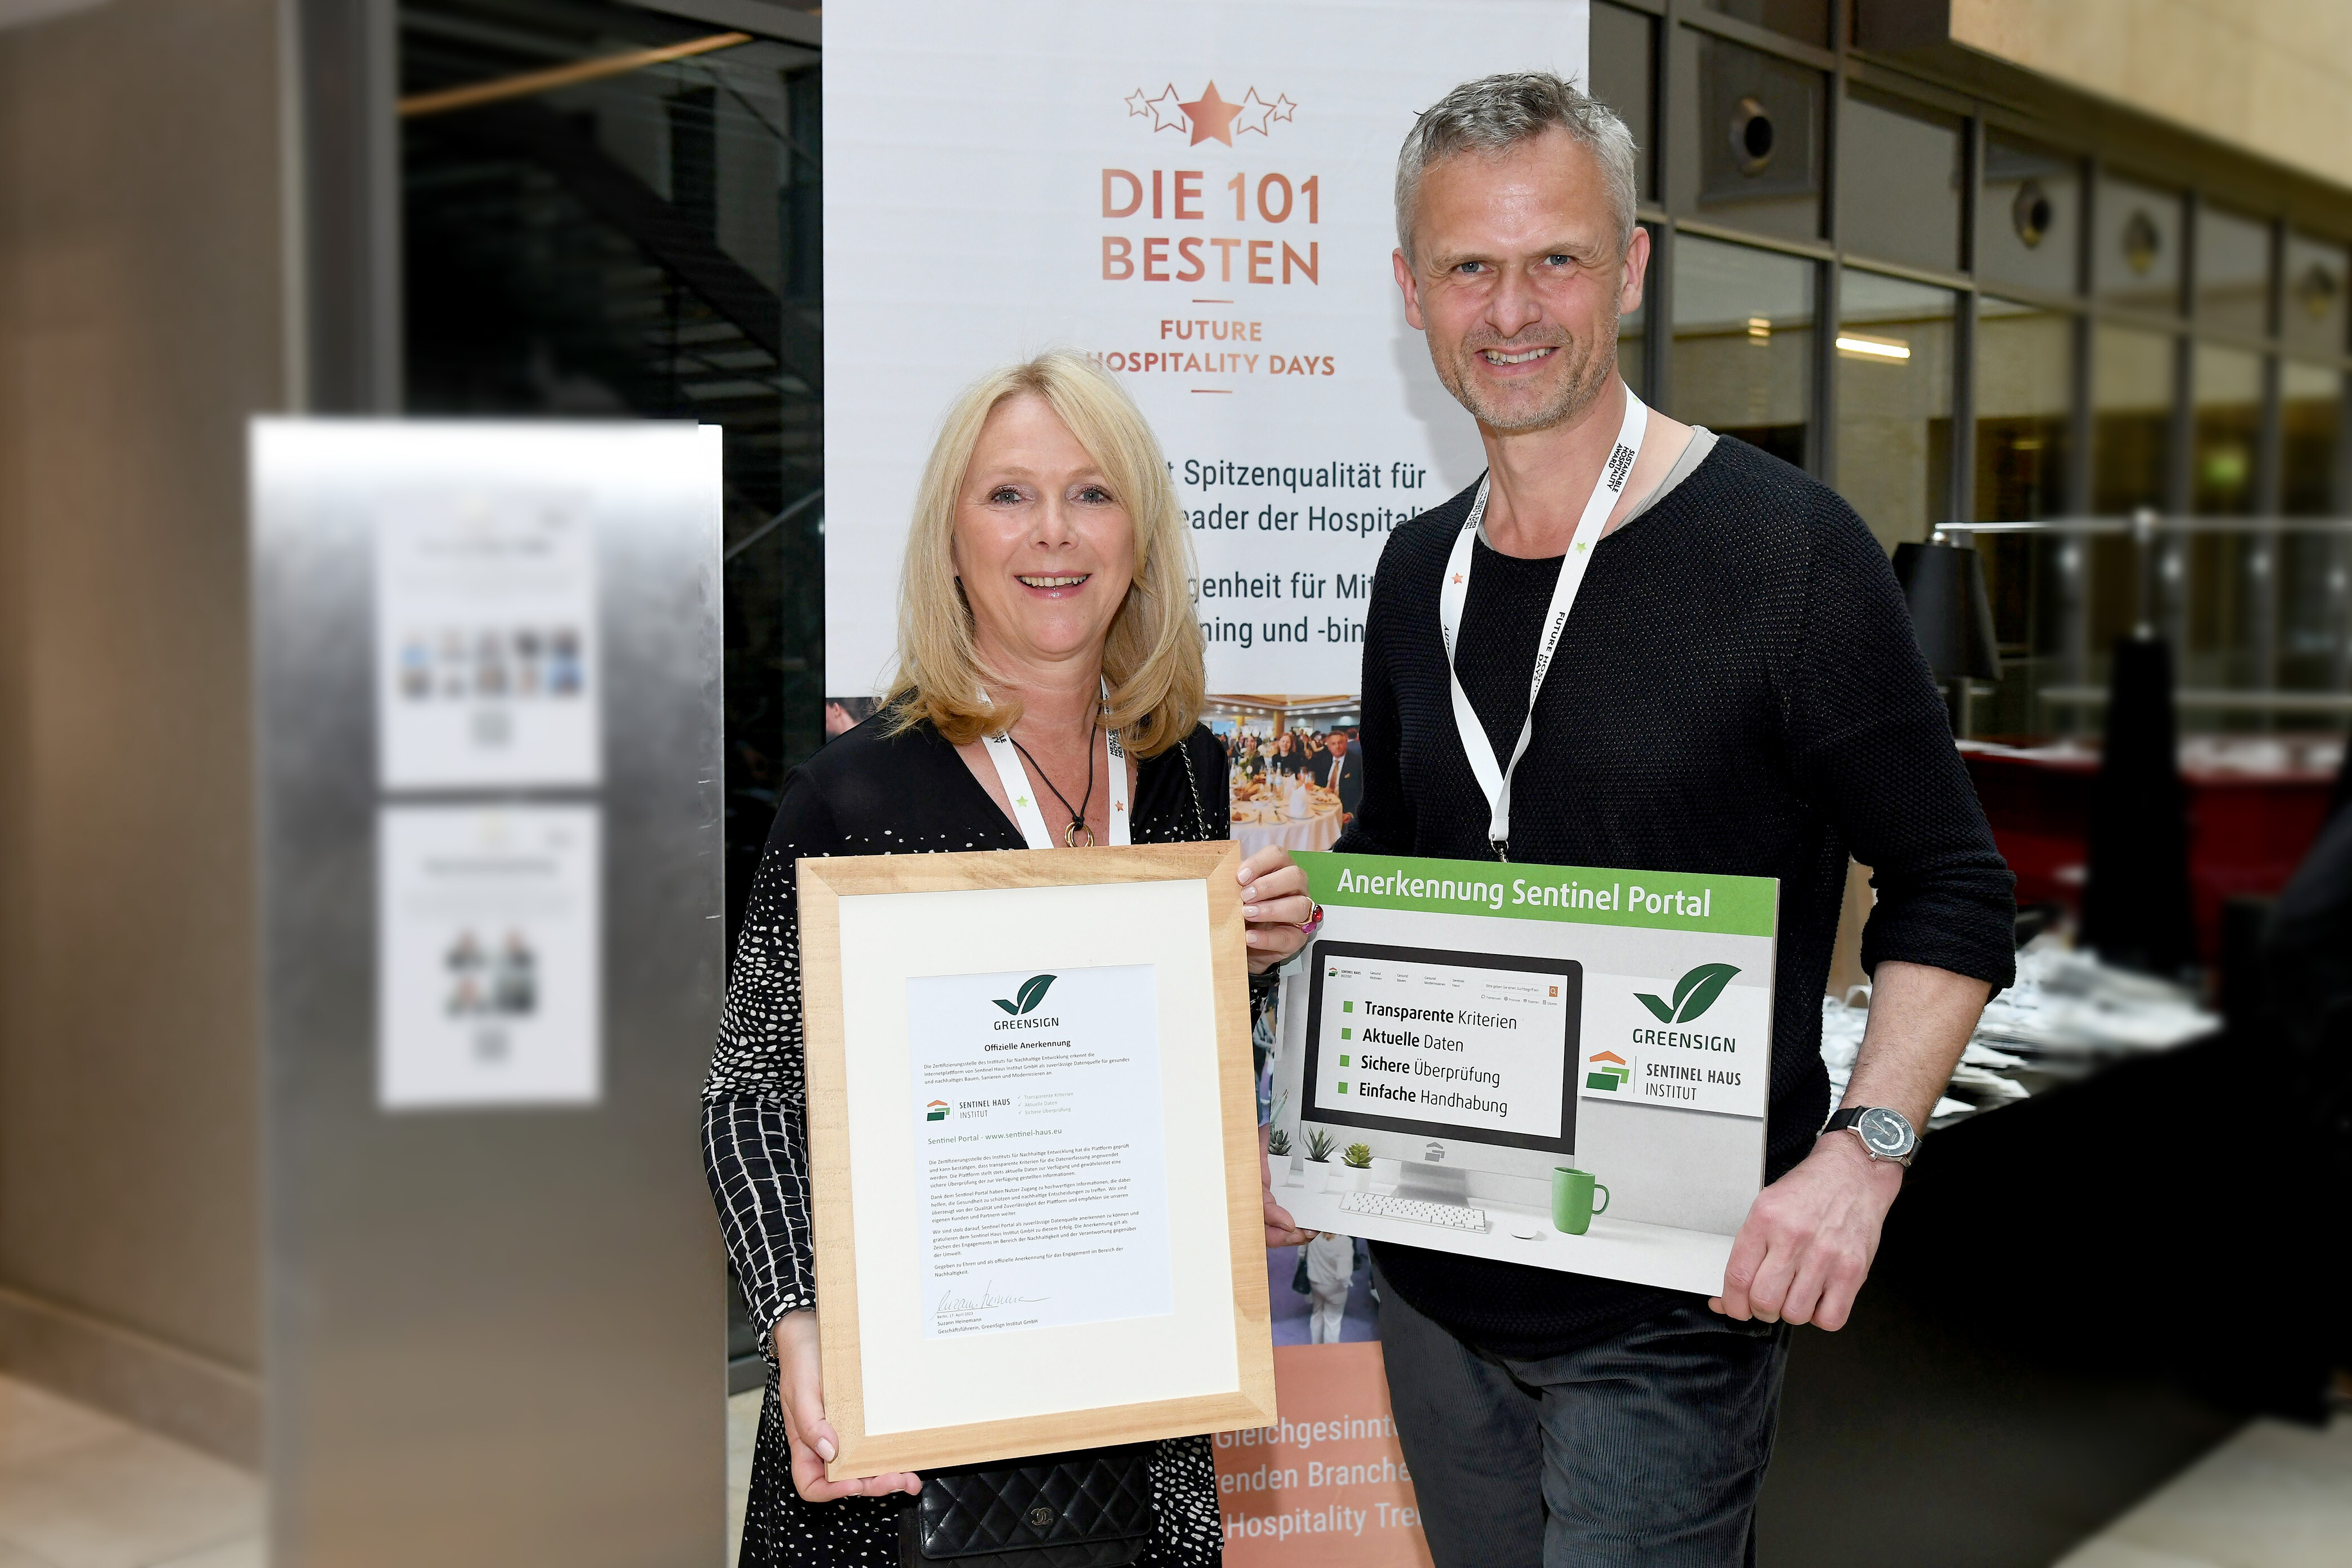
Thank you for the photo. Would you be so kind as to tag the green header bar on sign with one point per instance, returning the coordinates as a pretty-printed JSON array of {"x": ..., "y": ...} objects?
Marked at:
[{"x": 1585, "y": 895}]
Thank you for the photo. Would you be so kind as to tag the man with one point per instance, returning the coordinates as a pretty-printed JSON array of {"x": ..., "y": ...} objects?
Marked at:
[
  {"x": 1734, "y": 688},
  {"x": 1334, "y": 769}
]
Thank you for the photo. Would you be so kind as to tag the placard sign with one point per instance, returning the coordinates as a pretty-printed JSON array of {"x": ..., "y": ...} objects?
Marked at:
[{"x": 1562, "y": 1066}]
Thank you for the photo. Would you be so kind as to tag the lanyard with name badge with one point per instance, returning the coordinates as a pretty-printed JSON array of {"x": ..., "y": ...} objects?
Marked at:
[
  {"x": 1015, "y": 779},
  {"x": 1495, "y": 779}
]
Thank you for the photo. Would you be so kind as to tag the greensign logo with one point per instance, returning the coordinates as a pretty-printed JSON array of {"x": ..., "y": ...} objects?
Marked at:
[
  {"x": 1025, "y": 1000},
  {"x": 1693, "y": 993}
]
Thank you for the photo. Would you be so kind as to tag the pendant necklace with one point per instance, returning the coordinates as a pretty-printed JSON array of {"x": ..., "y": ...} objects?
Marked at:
[{"x": 1077, "y": 817}]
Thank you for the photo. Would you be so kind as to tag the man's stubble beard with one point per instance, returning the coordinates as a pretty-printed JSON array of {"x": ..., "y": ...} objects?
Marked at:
[{"x": 1591, "y": 365}]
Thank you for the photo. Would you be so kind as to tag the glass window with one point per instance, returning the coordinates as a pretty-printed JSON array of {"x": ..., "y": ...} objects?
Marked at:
[
  {"x": 2227, "y": 384},
  {"x": 2029, "y": 227},
  {"x": 2024, "y": 430},
  {"x": 2131, "y": 452},
  {"x": 1805, "y": 19},
  {"x": 1747, "y": 147},
  {"x": 2311, "y": 404},
  {"x": 2131, "y": 418},
  {"x": 2025, "y": 393},
  {"x": 641, "y": 244},
  {"x": 1899, "y": 174},
  {"x": 1623, "y": 72},
  {"x": 2233, "y": 272},
  {"x": 2212, "y": 584},
  {"x": 1743, "y": 343},
  {"x": 2136, "y": 256},
  {"x": 2315, "y": 569},
  {"x": 1894, "y": 404},
  {"x": 2311, "y": 317}
]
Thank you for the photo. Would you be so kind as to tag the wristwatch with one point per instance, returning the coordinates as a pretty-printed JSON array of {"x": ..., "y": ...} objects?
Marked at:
[{"x": 1886, "y": 1134}]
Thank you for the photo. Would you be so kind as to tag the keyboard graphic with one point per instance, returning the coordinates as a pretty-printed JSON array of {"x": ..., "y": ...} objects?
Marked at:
[{"x": 1445, "y": 1217}]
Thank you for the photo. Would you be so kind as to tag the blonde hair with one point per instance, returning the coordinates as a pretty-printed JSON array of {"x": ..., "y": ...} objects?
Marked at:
[{"x": 1151, "y": 658}]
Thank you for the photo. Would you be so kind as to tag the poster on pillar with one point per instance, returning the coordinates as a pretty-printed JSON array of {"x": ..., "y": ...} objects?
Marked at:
[{"x": 1199, "y": 196}]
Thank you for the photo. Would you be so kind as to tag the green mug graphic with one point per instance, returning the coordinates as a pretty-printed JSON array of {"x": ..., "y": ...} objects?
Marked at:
[{"x": 1572, "y": 1200}]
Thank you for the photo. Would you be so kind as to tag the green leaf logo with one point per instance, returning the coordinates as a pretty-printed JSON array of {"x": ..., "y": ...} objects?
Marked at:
[
  {"x": 1693, "y": 993},
  {"x": 1025, "y": 1000}
]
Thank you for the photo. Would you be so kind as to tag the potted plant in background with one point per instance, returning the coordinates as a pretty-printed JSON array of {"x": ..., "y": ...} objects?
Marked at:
[{"x": 1319, "y": 1146}]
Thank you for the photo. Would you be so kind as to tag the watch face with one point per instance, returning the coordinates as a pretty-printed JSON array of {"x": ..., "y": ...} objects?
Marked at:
[{"x": 1885, "y": 1133}]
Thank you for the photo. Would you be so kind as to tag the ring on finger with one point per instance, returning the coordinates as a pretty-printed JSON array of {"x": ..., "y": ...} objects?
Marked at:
[{"x": 1313, "y": 923}]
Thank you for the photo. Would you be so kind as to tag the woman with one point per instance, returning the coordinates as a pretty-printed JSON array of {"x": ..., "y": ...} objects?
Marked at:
[{"x": 1046, "y": 639}]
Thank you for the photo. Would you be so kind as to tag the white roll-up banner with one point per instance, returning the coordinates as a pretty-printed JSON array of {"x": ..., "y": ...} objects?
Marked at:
[{"x": 1199, "y": 196}]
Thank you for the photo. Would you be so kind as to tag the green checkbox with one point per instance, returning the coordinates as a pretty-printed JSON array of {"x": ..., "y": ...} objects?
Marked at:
[
  {"x": 1343, "y": 1087},
  {"x": 1347, "y": 1033},
  {"x": 1347, "y": 1006},
  {"x": 1343, "y": 1059}
]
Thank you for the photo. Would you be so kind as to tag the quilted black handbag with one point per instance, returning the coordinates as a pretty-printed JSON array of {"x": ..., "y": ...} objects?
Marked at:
[{"x": 1088, "y": 1509}]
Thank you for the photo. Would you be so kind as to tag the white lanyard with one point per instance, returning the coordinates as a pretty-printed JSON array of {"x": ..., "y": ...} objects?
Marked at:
[
  {"x": 1015, "y": 779},
  {"x": 1451, "y": 594}
]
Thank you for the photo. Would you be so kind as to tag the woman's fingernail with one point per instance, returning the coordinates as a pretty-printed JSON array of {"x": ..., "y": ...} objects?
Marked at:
[{"x": 824, "y": 1449}]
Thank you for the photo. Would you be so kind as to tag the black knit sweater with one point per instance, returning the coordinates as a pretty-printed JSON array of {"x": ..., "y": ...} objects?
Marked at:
[{"x": 1738, "y": 692}]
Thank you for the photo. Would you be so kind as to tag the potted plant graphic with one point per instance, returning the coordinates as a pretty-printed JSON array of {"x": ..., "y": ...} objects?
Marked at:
[
  {"x": 1277, "y": 1142},
  {"x": 1319, "y": 1146},
  {"x": 1359, "y": 1157}
]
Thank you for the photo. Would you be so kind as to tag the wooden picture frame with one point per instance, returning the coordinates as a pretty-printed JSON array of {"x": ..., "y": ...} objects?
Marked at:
[{"x": 867, "y": 920}]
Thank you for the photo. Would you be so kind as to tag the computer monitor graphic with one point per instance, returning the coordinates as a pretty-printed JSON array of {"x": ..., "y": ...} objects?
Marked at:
[{"x": 1454, "y": 1064}]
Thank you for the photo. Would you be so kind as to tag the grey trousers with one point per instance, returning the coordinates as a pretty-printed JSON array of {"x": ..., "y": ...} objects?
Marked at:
[{"x": 1646, "y": 1448}]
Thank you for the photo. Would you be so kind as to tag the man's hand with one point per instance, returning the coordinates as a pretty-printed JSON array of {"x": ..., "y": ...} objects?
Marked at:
[{"x": 1809, "y": 1239}]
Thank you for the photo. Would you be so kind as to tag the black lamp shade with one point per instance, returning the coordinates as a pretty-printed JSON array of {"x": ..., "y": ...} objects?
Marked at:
[{"x": 1951, "y": 613}]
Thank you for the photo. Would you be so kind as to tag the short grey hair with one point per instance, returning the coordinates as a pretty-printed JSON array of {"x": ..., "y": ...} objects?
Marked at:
[{"x": 1497, "y": 113}]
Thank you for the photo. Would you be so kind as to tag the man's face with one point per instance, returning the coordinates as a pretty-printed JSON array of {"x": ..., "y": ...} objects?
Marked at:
[
  {"x": 1337, "y": 744},
  {"x": 1517, "y": 281}
]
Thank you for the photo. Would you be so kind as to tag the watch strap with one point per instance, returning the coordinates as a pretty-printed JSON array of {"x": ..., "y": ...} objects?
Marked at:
[{"x": 1839, "y": 1121}]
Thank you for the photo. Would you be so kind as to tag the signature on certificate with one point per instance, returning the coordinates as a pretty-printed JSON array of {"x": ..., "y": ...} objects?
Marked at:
[{"x": 951, "y": 1303}]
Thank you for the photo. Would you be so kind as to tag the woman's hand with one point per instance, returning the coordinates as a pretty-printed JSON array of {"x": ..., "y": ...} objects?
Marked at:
[
  {"x": 1275, "y": 905},
  {"x": 800, "y": 1386},
  {"x": 1281, "y": 1230}
]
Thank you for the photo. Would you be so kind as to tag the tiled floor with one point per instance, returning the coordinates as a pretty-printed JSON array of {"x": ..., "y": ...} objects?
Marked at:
[
  {"x": 2274, "y": 1495},
  {"x": 78, "y": 1490}
]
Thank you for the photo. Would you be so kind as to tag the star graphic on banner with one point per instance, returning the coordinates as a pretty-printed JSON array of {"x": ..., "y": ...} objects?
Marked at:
[
  {"x": 1212, "y": 116},
  {"x": 1283, "y": 107},
  {"x": 1137, "y": 104},
  {"x": 1256, "y": 113},
  {"x": 1166, "y": 114}
]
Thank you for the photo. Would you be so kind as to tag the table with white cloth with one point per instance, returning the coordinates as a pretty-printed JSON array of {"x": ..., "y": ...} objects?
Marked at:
[{"x": 1257, "y": 827}]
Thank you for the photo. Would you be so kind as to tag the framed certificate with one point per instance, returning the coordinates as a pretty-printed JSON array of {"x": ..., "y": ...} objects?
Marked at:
[{"x": 1034, "y": 1148}]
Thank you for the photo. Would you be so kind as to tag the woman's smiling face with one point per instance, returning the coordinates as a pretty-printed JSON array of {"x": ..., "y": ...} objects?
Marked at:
[{"x": 1045, "y": 551}]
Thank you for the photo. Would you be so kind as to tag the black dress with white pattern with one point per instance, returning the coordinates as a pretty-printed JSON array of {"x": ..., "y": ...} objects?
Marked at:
[{"x": 872, "y": 792}]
